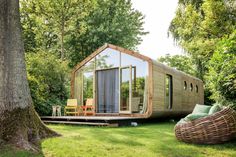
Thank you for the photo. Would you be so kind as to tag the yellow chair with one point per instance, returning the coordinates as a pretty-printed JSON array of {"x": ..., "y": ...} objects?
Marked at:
[{"x": 71, "y": 108}]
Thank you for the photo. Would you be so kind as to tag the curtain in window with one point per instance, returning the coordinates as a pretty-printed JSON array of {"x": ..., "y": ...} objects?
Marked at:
[{"x": 108, "y": 91}]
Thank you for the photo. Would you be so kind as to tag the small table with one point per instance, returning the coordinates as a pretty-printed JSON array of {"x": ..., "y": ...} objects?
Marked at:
[{"x": 56, "y": 110}]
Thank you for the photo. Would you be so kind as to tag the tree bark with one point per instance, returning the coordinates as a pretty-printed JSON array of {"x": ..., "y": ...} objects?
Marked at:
[
  {"x": 20, "y": 125},
  {"x": 62, "y": 40}
]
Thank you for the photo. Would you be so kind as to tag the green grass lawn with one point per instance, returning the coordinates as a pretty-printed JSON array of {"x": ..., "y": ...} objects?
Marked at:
[{"x": 149, "y": 140}]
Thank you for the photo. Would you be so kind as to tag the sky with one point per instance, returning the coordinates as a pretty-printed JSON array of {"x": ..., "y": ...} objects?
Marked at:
[{"x": 158, "y": 15}]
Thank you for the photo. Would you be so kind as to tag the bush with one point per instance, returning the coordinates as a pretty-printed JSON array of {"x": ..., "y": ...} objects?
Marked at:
[
  {"x": 48, "y": 81},
  {"x": 221, "y": 78}
]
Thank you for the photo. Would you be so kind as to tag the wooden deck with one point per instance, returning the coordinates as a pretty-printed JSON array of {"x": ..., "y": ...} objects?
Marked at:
[
  {"x": 91, "y": 120},
  {"x": 107, "y": 118},
  {"x": 76, "y": 123}
]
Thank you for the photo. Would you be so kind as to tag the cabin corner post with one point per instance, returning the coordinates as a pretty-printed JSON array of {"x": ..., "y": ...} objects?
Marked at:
[
  {"x": 72, "y": 84},
  {"x": 148, "y": 113}
]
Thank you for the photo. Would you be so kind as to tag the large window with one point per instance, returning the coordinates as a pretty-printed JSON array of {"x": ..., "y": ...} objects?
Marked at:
[
  {"x": 133, "y": 85},
  {"x": 108, "y": 58},
  {"x": 139, "y": 81}
]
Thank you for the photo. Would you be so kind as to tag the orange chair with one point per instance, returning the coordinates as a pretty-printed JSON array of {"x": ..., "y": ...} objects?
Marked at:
[{"x": 89, "y": 108}]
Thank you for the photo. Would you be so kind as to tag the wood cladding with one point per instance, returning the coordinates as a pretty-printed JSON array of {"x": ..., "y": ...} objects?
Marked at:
[{"x": 184, "y": 100}]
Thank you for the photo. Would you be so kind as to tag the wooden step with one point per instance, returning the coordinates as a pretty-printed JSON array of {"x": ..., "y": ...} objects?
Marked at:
[{"x": 79, "y": 123}]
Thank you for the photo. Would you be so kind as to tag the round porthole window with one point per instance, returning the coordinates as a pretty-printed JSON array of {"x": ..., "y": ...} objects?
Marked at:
[
  {"x": 191, "y": 87},
  {"x": 185, "y": 85}
]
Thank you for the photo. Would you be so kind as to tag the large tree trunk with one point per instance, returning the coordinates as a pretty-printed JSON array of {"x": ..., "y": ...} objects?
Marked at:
[
  {"x": 20, "y": 125},
  {"x": 62, "y": 40}
]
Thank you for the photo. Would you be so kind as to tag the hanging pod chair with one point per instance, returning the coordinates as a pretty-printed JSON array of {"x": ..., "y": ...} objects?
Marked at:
[{"x": 213, "y": 129}]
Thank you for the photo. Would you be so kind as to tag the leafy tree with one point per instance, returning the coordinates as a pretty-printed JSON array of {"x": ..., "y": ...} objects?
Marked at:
[
  {"x": 75, "y": 28},
  {"x": 221, "y": 78},
  {"x": 180, "y": 62},
  {"x": 199, "y": 25},
  {"x": 38, "y": 33},
  {"x": 114, "y": 22},
  {"x": 48, "y": 24},
  {"x": 48, "y": 80}
]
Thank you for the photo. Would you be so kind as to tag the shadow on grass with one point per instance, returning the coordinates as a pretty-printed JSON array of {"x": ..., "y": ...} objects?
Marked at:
[
  {"x": 8, "y": 151},
  {"x": 160, "y": 139},
  {"x": 155, "y": 139},
  {"x": 128, "y": 136}
]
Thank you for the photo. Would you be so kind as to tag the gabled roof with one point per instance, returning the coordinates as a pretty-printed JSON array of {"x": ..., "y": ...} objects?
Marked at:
[
  {"x": 132, "y": 53},
  {"x": 114, "y": 47}
]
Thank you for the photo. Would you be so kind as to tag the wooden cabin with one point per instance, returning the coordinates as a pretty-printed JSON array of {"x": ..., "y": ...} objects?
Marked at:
[{"x": 125, "y": 83}]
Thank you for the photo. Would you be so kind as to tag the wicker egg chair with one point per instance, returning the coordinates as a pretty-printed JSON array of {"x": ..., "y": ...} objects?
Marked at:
[{"x": 213, "y": 129}]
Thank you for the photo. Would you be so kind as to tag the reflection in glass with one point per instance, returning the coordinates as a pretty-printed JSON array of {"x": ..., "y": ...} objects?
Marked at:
[
  {"x": 136, "y": 97},
  {"x": 89, "y": 66},
  {"x": 124, "y": 89},
  {"x": 87, "y": 86},
  {"x": 108, "y": 58},
  {"x": 139, "y": 81},
  {"x": 88, "y": 74}
]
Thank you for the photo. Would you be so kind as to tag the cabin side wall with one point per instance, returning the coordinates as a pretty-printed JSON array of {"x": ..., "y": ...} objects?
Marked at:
[{"x": 183, "y": 101}]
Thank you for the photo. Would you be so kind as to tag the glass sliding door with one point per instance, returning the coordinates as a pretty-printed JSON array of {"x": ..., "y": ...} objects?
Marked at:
[
  {"x": 125, "y": 89},
  {"x": 139, "y": 82}
]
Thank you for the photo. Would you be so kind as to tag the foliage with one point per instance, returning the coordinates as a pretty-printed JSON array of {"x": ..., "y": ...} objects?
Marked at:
[
  {"x": 221, "y": 78},
  {"x": 125, "y": 90},
  {"x": 180, "y": 62},
  {"x": 149, "y": 140},
  {"x": 114, "y": 22},
  {"x": 87, "y": 87},
  {"x": 138, "y": 87},
  {"x": 199, "y": 26},
  {"x": 47, "y": 78},
  {"x": 72, "y": 29},
  {"x": 47, "y": 25}
]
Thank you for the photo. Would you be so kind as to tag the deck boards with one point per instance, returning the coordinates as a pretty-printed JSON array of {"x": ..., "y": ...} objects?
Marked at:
[
  {"x": 113, "y": 121},
  {"x": 76, "y": 123},
  {"x": 105, "y": 118}
]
